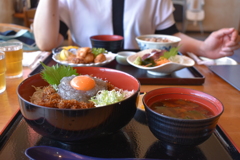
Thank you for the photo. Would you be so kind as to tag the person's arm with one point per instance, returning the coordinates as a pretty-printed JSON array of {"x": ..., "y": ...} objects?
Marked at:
[
  {"x": 219, "y": 44},
  {"x": 188, "y": 44},
  {"x": 46, "y": 25}
]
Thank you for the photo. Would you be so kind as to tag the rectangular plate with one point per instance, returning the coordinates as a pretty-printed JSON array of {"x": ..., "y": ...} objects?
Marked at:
[{"x": 229, "y": 73}]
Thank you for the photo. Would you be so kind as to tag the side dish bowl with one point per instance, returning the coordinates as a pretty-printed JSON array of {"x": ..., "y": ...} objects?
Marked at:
[
  {"x": 176, "y": 132},
  {"x": 148, "y": 41},
  {"x": 163, "y": 69},
  {"x": 121, "y": 57},
  {"x": 73, "y": 125}
]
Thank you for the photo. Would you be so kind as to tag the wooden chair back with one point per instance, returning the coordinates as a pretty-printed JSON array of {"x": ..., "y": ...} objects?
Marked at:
[{"x": 29, "y": 16}]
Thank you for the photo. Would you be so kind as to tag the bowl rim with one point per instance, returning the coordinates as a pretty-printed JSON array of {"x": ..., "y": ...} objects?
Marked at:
[
  {"x": 63, "y": 109},
  {"x": 176, "y": 39},
  {"x": 125, "y": 53},
  {"x": 110, "y": 37},
  {"x": 147, "y": 108}
]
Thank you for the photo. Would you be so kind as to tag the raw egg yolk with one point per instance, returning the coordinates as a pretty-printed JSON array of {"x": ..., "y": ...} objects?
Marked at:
[{"x": 83, "y": 83}]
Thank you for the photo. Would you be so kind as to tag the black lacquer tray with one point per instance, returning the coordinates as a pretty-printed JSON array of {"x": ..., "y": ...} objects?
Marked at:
[
  {"x": 134, "y": 140},
  {"x": 185, "y": 76}
]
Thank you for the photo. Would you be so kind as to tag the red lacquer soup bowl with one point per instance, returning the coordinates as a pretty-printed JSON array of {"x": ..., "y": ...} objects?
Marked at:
[{"x": 112, "y": 43}]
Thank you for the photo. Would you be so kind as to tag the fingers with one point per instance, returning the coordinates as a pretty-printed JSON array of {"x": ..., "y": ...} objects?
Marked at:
[
  {"x": 232, "y": 45},
  {"x": 226, "y": 51},
  {"x": 225, "y": 41},
  {"x": 235, "y": 37},
  {"x": 225, "y": 54},
  {"x": 232, "y": 41},
  {"x": 229, "y": 49},
  {"x": 225, "y": 31}
]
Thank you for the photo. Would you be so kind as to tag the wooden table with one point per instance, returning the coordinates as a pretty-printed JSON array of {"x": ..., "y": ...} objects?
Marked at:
[
  {"x": 9, "y": 105},
  {"x": 213, "y": 85}
]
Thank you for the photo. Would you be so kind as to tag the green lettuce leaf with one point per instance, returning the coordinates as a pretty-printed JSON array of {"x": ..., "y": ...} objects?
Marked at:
[{"x": 105, "y": 97}]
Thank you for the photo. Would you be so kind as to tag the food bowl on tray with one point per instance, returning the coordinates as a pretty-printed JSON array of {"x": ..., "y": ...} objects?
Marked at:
[
  {"x": 60, "y": 54},
  {"x": 187, "y": 125},
  {"x": 73, "y": 125},
  {"x": 157, "y": 41},
  {"x": 112, "y": 43},
  {"x": 121, "y": 57},
  {"x": 180, "y": 62}
]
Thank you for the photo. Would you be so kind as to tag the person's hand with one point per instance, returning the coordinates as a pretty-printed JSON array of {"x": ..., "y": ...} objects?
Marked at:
[{"x": 221, "y": 43}]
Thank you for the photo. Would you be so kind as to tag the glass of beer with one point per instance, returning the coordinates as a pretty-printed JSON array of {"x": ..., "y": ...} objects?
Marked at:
[
  {"x": 13, "y": 57},
  {"x": 2, "y": 72}
]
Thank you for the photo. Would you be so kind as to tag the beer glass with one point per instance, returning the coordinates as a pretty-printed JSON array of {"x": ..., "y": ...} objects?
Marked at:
[
  {"x": 13, "y": 57},
  {"x": 2, "y": 72}
]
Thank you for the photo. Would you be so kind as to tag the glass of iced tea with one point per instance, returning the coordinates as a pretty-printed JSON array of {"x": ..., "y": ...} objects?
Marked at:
[
  {"x": 2, "y": 72},
  {"x": 13, "y": 57}
]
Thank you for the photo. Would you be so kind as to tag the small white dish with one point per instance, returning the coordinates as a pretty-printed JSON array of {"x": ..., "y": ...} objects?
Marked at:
[
  {"x": 221, "y": 61},
  {"x": 121, "y": 57},
  {"x": 163, "y": 69},
  {"x": 110, "y": 57}
]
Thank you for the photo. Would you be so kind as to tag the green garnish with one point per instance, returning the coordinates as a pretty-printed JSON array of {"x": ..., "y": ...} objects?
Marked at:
[
  {"x": 172, "y": 52},
  {"x": 54, "y": 74},
  {"x": 138, "y": 61},
  {"x": 149, "y": 62},
  {"x": 97, "y": 51},
  {"x": 105, "y": 97}
]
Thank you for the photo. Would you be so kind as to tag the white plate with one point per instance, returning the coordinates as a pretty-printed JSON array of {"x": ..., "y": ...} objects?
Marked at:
[
  {"x": 163, "y": 69},
  {"x": 110, "y": 57},
  {"x": 221, "y": 61}
]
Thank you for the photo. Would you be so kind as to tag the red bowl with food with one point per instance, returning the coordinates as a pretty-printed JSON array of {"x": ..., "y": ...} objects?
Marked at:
[
  {"x": 181, "y": 118},
  {"x": 71, "y": 115}
]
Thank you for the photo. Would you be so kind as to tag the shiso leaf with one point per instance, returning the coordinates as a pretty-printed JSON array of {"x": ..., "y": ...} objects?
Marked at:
[
  {"x": 172, "y": 52},
  {"x": 55, "y": 73}
]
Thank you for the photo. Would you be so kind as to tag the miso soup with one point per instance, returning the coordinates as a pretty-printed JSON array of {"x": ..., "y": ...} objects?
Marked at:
[{"x": 183, "y": 109}]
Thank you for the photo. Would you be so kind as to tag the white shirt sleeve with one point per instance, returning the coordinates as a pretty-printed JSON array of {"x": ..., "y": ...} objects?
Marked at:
[{"x": 164, "y": 15}]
